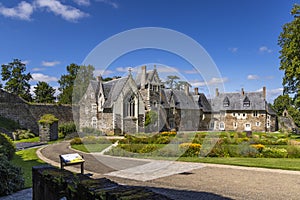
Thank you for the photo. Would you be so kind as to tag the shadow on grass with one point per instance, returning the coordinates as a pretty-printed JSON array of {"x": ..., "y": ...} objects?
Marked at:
[{"x": 26, "y": 159}]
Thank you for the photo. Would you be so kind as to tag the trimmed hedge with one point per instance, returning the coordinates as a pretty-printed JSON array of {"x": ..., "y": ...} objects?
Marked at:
[{"x": 7, "y": 147}]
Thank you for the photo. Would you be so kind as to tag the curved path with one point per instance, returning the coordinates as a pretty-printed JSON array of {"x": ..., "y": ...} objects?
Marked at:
[{"x": 198, "y": 181}]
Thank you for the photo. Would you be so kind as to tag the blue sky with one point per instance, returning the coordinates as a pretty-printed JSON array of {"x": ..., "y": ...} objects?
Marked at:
[{"x": 240, "y": 36}]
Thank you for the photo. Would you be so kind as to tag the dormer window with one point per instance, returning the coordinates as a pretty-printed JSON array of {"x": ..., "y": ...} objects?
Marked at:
[
  {"x": 246, "y": 102},
  {"x": 226, "y": 102}
]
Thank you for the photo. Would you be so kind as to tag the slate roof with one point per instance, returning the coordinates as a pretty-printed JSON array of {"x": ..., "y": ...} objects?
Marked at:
[
  {"x": 236, "y": 101},
  {"x": 112, "y": 90},
  {"x": 182, "y": 101},
  {"x": 202, "y": 102}
]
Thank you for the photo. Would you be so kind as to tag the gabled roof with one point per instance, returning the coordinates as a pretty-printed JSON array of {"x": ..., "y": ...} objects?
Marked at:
[
  {"x": 149, "y": 77},
  {"x": 256, "y": 99},
  {"x": 182, "y": 101},
  {"x": 203, "y": 102},
  {"x": 113, "y": 90}
]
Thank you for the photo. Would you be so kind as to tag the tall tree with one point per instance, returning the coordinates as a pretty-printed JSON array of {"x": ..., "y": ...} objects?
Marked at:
[
  {"x": 289, "y": 41},
  {"x": 74, "y": 84},
  {"x": 281, "y": 103},
  {"x": 17, "y": 80},
  {"x": 44, "y": 93},
  {"x": 172, "y": 81},
  {"x": 66, "y": 83},
  {"x": 83, "y": 78}
]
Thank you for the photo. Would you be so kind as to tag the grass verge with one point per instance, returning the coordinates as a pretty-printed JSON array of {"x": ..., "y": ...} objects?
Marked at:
[
  {"x": 90, "y": 148},
  {"x": 26, "y": 159}
]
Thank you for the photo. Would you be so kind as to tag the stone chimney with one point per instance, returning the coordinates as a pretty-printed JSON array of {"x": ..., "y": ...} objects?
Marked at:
[
  {"x": 217, "y": 92},
  {"x": 143, "y": 77},
  {"x": 243, "y": 92},
  {"x": 196, "y": 92},
  {"x": 187, "y": 89},
  {"x": 264, "y": 92},
  {"x": 99, "y": 78}
]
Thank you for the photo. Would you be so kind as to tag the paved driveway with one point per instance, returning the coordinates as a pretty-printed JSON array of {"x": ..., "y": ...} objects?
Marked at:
[{"x": 189, "y": 180}]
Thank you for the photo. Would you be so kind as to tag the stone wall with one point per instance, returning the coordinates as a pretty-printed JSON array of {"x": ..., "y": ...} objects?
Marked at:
[
  {"x": 27, "y": 114},
  {"x": 51, "y": 183}
]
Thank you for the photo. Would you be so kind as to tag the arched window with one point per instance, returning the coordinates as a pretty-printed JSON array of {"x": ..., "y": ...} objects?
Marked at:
[{"x": 130, "y": 106}]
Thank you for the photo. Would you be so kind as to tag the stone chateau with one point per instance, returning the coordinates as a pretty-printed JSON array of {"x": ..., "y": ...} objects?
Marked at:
[{"x": 120, "y": 106}]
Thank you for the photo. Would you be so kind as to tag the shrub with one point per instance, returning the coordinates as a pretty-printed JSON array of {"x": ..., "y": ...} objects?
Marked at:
[
  {"x": 162, "y": 140},
  {"x": 22, "y": 134},
  {"x": 67, "y": 128},
  {"x": 48, "y": 119},
  {"x": 259, "y": 147},
  {"x": 293, "y": 151},
  {"x": 148, "y": 148},
  {"x": 11, "y": 179},
  {"x": 7, "y": 147},
  {"x": 274, "y": 152},
  {"x": 247, "y": 151},
  {"x": 76, "y": 141},
  {"x": 282, "y": 141},
  {"x": 190, "y": 149},
  {"x": 91, "y": 131},
  {"x": 169, "y": 133}
]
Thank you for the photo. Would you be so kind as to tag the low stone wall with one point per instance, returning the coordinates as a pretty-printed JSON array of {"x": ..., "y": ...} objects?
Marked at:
[{"x": 51, "y": 183}]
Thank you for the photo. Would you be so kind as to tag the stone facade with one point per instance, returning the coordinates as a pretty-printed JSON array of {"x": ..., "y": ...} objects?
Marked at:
[
  {"x": 48, "y": 132},
  {"x": 105, "y": 106},
  {"x": 26, "y": 114}
]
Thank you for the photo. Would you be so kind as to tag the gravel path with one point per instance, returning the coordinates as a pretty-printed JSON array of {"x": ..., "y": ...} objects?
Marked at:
[{"x": 208, "y": 182}]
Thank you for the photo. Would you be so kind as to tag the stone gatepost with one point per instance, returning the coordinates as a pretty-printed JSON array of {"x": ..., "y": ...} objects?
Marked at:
[{"x": 48, "y": 128}]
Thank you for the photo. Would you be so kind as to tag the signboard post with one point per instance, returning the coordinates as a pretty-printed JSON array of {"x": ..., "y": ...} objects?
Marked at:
[{"x": 72, "y": 159}]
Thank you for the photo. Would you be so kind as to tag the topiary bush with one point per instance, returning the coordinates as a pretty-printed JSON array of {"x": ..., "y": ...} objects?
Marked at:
[
  {"x": 11, "y": 177},
  {"x": 76, "y": 141},
  {"x": 7, "y": 147}
]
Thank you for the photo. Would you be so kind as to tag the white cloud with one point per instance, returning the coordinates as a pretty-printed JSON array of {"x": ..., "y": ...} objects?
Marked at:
[
  {"x": 126, "y": 69},
  {"x": 68, "y": 13},
  {"x": 252, "y": 77},
  {"x": 233, "y": 49},
  {"x": 103, "y": 72},
  {"x": 82, "y": 2},
  {"x": 265, "y": 49},
  {"x": 37, "y": 69},
  {"x": 50, "y": 63},
  {"x": 193, "y": 71},
  {"x": 22, "y": 11},
  {"x": 213, "y": 81},
  {"x": 165, "y": 69},
  {"x": 43, "y": 77},
  {"x": 109, "y": 2}
]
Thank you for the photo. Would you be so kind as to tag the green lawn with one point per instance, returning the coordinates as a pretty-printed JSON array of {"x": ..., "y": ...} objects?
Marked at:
[
  {"x": 274, "y": 163},
  {"x": 89, "y": 148},
  {"x": 26, "y": 159},
  {"x": 35, "y": 139}
]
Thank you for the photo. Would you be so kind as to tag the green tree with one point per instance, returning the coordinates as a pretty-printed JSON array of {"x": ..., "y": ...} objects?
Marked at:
[
  {"x": 281, "y": 103},
  {"x": 66, "y": 83},
  {"x": 17, "y": 80},
  {"x": 289, "y": 41},
  {"x": 73, "y": 85},
  {"x": 172, "y": 81},
  {"x": 44, "y": 93}
]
